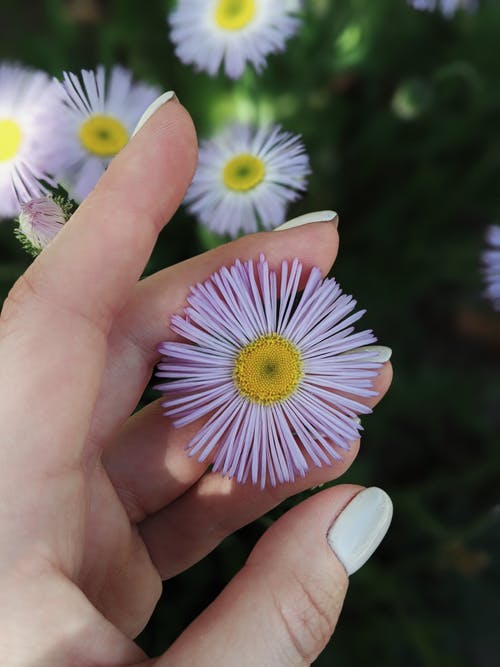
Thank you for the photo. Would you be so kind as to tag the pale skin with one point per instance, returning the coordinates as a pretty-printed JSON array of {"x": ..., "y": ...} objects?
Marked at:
[{"x": 97, "y": 507}]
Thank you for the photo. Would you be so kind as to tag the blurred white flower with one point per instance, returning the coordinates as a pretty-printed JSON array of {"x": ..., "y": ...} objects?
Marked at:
[
  {"x": 209, "y": 33},
  {"x": 27, "y": 123},
  {"x": 246, "y": 177},
  {"x": 99, "y": 112}
]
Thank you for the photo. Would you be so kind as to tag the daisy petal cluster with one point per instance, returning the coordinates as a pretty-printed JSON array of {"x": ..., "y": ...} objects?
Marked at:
[
  {"x": 279, "y": 374},
  {"x": 447, "y": 7},
  {"x": 99, "y": 111},
  {"x": 231, "y": 33},
  {"x": 26, "y": 126},
  {"x": 29, "y": 185},
  {"x": 246, "y": 177},
  {"x": 491, "y": 261}
]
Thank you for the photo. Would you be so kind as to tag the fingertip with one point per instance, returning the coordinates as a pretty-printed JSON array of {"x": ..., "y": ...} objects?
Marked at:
[
  {"x": 152, "y": 108},
  {"x": 156, "y": 167},
  {"x": 118, "y": 223},
  {"x": 307, "y": 218},
  {"x": 384, "y": 379},
  {"x": 306, "y": 523},
  {"x": 289, "y": 594},
  {"x": 314, "y": 244},
  {"x": 359, "y": 529}
]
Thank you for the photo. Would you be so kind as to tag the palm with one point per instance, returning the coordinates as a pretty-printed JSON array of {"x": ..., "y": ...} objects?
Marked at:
[
  {"x": 92, "y": 538},
  {"x": 116, "y": 574}
]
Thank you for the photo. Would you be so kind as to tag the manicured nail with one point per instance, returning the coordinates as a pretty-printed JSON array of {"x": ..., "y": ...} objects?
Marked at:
[
  {"x": 317, "y": 216},
  {"x": 154, "y": 106},
  {"x": 378, "y": 353},
  {"x": 360, "y": 528}
]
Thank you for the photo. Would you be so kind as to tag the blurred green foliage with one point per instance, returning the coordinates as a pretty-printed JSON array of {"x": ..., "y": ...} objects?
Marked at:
[{"x": 400, "y": 113}]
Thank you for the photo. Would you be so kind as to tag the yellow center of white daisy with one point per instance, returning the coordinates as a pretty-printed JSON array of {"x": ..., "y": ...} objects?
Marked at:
[
  {"x": 268, "y": 369},
  {"x": 10, "y": 139},
  {"x": 103, "y": 135},
  {"x": 234, "y": 14},
  {"x": 243, "y": 172}
]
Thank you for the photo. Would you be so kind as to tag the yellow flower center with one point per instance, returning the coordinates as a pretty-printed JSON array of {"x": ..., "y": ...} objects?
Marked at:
[
  {"x": 10, "y": 139},
  {"x": 234, "y": 14},
  {"x": 243, "y": 172},
  {"x": 103, "y": 135},
  {"x": 268, "y": 369}
]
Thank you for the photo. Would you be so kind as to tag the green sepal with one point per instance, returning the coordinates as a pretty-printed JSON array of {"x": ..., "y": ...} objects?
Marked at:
[
  {"x": 61, "y": 197},
  {"x": 26, "y": 243}
]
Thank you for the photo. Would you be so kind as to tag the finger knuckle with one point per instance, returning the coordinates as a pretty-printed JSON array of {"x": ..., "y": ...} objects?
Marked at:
[
  {"x": 21, "y": 292},
  {"x": 309, "y": 615}
]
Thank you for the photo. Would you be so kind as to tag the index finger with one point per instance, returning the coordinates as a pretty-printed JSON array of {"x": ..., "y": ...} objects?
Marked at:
[{"x": 93, "y": 263}]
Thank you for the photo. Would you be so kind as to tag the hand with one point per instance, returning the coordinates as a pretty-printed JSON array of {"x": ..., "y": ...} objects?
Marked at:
[{"x": 96, "y": 507}]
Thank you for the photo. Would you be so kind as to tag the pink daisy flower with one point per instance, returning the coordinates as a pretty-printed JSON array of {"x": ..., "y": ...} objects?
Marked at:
[
  {"x": 447, "y": 7},
  {"x": 40, "y": 221},
  {"x": 279, "y": 374},
  {"x": 491, "y": 262}
]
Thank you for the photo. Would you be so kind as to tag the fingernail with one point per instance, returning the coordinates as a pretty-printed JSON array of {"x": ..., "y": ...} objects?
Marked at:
[
  {"x": 378, "y": 353},
  {"x": 154, "y": 106},
  {"x": 360, "y": 528},
  {"x": 316, "y": 216}
]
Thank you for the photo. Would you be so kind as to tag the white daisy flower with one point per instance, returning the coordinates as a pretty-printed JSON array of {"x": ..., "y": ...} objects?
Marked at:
[
  {"x": 207, "y": 33},
  {"x": 246, "y": 177},
  {"x": 99, "y": 114},
  {"x": 26, "y": 126}
]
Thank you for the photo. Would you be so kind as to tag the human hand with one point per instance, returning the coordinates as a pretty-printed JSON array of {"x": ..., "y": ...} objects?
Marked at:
[{"x": 96, "y": 507}]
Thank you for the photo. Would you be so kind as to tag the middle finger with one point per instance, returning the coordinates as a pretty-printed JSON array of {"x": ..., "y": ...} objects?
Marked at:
[{"x": 144, "y": 322}]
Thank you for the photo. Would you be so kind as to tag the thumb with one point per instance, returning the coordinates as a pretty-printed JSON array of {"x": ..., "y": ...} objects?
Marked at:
[{"x": 282, "y": 607}]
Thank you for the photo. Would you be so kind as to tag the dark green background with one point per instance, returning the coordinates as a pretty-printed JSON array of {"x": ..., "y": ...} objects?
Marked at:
[{"x": 400, "y": 113}]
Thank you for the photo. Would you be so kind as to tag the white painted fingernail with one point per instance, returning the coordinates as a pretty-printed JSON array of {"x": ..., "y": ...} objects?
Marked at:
[
  {"x": 360, "y": 528},
  {"x": 316, "y": 216},
  {"x": 378, "y": 353},
  {"x": 154, "y": 106}
]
